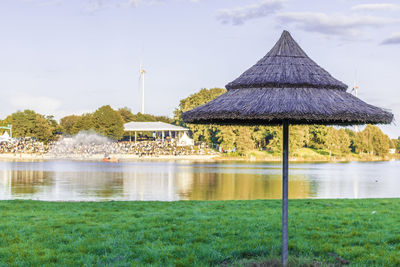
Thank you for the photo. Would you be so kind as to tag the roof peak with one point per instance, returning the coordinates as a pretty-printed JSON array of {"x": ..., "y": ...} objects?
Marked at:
[
  {"x": 286, "y": 65},
  {"x": 286, "y": 46}
]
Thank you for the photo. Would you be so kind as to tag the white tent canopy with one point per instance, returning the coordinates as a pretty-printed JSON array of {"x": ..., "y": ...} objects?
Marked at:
[
  {"x": 152, "y": 127},
  {"x": 185, "y": 140},
  {"x": 5, "y": 137}
]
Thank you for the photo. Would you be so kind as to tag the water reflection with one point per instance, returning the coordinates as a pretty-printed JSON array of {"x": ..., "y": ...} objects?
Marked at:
[
  {"x": 224, "y": 186},
  {"x": 168, "y": 181},
  {"x": 150, "y": 183},
  {"x": 20, "y": 182}
]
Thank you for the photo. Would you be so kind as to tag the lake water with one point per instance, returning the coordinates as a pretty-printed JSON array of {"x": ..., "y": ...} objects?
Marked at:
[{"x": 181, "y": 180}]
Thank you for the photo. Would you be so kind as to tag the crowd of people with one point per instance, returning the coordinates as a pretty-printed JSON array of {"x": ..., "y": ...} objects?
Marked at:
[
  {"x": 71, "y": 148},
  {"x": 22, "y": 145}
]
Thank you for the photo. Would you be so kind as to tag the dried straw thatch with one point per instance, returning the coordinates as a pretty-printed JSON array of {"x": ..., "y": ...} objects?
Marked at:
[{"x": 286, "y": 85}]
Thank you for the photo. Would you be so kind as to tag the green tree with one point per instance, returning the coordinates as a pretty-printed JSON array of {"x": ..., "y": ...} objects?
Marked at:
[
  {"x": 360, "y": 143},
  {"x": 398, "y": 144},
  {"x": 260, "y": 136},
  {"x": 28, "y": 123},
  {"x": 318, "y": 135},
  {"x": 298, "y": 137},
  {"x": 200, "y": 132},
  {"x": 352, "y": 137},
  {"x": 380, "y": 141},
  {"x": 372, "y": 141},
  {"x": 147, "y": 117},
  {"x": 238, "y": 137},
  {"x": 108, "y": 122},
  {"x": 126, "y": 114},
  {"x": 195, "y": 100},
  {"x": 274, "y": 138},
  {"x": 337, "y": 141},
  {"x": 392, "y": 143},
  {"x": 164, "y": 119},
  {"x": 67, "y": 123},
  {"x": 83, "y": 123},
  {"x": 244, "y": 142},
  {"x": 57, "y": 129},
  {"x": 343, "y": 142},
  {"x": 226, "y": 137}
]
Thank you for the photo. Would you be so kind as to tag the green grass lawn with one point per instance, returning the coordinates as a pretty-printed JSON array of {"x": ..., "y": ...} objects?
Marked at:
[{"x": 199, "y": 233}]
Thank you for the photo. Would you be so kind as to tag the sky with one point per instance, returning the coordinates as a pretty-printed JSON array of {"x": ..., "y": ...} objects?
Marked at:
[{"x": 62, "y": 57}]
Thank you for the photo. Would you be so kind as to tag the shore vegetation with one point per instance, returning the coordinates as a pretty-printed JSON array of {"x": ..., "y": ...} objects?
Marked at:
[{"x": 306, "y": 142}]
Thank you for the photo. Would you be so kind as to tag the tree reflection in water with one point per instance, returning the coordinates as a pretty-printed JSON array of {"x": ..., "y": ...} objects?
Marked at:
[
  {"x": 27, "y": 181},
  {"x": 239, "y": 186},
  {"x": 170, "y": 181}
]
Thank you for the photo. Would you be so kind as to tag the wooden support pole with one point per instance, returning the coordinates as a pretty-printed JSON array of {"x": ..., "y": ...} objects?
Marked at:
[{"x": 285, "y": 193}]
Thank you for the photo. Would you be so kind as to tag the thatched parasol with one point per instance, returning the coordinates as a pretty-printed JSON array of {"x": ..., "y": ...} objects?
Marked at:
[{"x": 286, "y": 87}]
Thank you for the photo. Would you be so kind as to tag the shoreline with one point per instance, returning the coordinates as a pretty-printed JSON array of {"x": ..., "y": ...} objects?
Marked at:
[
  {"x": 209, "y": 158},
  {"x": 304, "y": 160},
  {"x": 99, "y": 157}
]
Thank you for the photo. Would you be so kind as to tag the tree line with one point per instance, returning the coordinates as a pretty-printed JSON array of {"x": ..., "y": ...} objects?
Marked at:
[
  {"x": 110, "y": 123},
  {"x": 333, "y": 140},
  {"x": 105, "y": 121}
]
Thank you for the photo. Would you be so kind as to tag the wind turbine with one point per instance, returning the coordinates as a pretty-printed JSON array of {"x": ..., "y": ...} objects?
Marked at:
[
  {"x": 355, "y": 90},
  {"x": 142, "y": 72}
]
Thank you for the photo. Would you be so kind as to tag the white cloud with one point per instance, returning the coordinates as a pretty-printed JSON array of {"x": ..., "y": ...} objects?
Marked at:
[
  {"x": 95, "y": 5},
  {"x": 40, "y": 104},
  {"x": 375, "y": 7},
  {"x": 44, "y": 2},
  {"x": 239, "y": 15},
  {"x": 336, "y": 24},
  {"x": 393, "y": 39}
]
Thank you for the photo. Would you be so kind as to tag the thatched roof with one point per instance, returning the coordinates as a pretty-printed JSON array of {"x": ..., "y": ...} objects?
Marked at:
[
  {"x": 286, "y": 65},
  {"x": 287, "y": 85}
]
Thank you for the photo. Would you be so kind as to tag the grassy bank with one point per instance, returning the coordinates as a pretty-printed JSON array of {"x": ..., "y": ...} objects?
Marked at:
[
  {"x": 198, "y": 233},
  {"x": 306, "y": 155}
]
